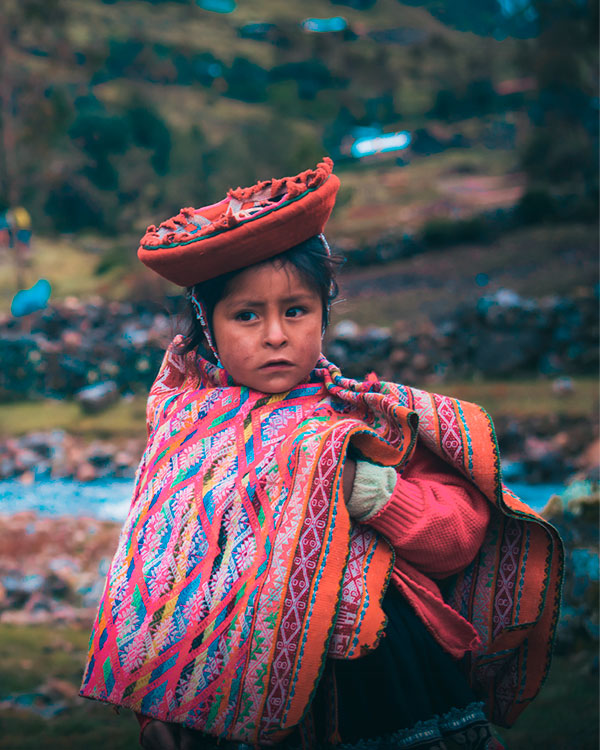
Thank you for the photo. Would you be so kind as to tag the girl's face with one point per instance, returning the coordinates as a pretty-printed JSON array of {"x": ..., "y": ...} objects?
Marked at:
[{"x": 267, "y": 328}]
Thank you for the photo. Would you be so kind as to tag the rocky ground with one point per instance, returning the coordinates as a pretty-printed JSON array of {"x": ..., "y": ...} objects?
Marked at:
[
  {"x": 499, "y": 335},
  {"x": 59, "y": 455},
  {"x": 535, "y": 449},
  {"x": 52, "y": 569},
  {"x": 96, "y": 351},
  {"x": 51, "y": 577}
]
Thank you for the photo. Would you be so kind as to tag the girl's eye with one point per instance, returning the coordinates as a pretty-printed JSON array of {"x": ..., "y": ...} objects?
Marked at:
[
  {"x": 294, "y": 312},
  {"x": 245, "y": 315}
]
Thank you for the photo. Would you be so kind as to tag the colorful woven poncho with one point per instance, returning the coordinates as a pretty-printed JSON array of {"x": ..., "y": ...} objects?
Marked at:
[{"x": 238, "y": 570}]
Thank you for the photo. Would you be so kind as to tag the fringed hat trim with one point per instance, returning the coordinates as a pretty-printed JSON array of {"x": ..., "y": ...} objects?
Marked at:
[{"x": 249, "y": 225}]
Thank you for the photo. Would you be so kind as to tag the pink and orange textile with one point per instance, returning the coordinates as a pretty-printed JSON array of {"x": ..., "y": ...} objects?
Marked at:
[{"x": 238, "y": 570}]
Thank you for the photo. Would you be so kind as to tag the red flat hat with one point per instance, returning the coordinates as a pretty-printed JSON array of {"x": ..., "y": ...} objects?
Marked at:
[{"x": 248, "y": 226}]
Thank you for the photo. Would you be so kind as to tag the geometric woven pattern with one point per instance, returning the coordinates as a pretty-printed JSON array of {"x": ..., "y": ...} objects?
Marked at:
[
  {"x": 511, "y": 591},
  {"x": 218, "y": 606},
  {"x": 238, "y": 570}
]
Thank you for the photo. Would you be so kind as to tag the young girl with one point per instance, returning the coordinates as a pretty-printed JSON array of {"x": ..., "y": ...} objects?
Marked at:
[{"x": 310, "y": 561}]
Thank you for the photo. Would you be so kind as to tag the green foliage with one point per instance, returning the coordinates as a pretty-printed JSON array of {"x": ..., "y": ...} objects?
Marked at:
[
  {"x": 561, "y": 157},
  {"x": 562, "y": 149},
  {"x": 121, "y": 55},
  {"x": 486, "y": 17},
  {"x": 149, "y": 130},
  {"x": 478, "y": 98},
  {"x": 35, "y": 12},
  {"x": 133, "y": 146},
  {"x": 116, "y": 257},
  {"x": 113, "y": 158},
  {"x": 536, "y": 207},
  {"x": 541, "y": 206},
  {"x": 344, "y": 196},
  {"x": 246, "y": 81},
  {"x": 278, "y": 145},
  {"x": 311, "y": 76},
  {"x": 442, "y": 232},
  {"x": 72, "y": 207},
  {"x": 99, "y": 134},
  {"x": 584, "y": 208}
]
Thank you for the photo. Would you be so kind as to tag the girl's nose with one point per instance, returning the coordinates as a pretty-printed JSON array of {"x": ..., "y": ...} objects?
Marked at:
[{"x": 275, "y": 334}]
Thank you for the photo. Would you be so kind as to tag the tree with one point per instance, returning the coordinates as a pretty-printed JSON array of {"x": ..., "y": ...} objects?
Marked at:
[
  {"x": 18, "y": 91},
  {"x": 562, "y": 149}
]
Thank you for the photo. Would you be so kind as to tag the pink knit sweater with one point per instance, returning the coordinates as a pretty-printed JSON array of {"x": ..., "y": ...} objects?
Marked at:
[{"x": 436, "y": 521}]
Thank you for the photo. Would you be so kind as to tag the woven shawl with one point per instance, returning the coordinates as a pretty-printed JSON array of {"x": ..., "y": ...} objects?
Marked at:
[{"x": 238, "y": 570}]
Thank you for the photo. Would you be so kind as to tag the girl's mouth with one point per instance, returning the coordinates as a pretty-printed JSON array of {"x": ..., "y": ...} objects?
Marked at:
[{"x": 277, "y": 364}]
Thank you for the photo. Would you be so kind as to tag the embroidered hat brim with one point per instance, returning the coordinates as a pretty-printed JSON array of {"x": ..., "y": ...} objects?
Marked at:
[{"x": 250, "y": 225}]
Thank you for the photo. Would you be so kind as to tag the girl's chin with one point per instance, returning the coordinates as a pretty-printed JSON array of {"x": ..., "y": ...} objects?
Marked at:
[
  {"x": 275, "y": 381},
  {"x": 276, "y": 385},
  {"x": 271, "y": 380}
]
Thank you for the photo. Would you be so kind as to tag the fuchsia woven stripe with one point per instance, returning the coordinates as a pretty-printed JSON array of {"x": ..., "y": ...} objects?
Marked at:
[{"x": 238, "y": 570}]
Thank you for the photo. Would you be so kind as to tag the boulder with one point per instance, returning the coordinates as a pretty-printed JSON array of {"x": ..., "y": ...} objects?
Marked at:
[
  {"x": 97, "y": 398},
  {"x": 575, "y": 514}
]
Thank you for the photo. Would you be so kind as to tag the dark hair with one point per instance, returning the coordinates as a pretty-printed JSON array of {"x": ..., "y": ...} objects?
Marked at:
[{"x": 310, "y": 259}]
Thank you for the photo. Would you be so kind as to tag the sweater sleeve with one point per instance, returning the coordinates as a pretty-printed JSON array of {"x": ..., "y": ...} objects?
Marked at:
[{"x": 435, "y": 518}]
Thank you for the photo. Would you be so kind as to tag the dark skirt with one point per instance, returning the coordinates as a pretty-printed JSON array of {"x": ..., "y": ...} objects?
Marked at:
[{"x": 408, "y": 693}]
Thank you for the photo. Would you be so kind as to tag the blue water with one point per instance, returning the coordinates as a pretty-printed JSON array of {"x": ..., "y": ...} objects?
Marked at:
[
  {"x": 535, "y": 495},
  {"x": 108, "y": 499}
]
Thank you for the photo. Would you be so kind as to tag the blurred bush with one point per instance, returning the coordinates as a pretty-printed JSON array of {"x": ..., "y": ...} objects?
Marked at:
[
  {"x": 560, "y": 154},
  {"x": 442, "y": 232},
  {"x": 101, "y": 143},
  {"x": 112, "y": 160}
]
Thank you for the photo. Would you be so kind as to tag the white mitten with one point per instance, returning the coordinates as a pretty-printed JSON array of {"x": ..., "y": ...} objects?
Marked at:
[{"x": 373, "y": 487}]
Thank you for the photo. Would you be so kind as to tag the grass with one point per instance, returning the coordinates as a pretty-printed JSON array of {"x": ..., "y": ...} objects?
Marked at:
[
  {"x": 563, "y": 716},
  {"x": 525, "y": 397},
  {"x": 191, "y": 28},
  {"x": 68, "y": 264},
  {"x": 217, "y": 33},
  {"x": 29, "y": 657},
  {"x": 535, "y": 262},
  {"x": 92, "y": 728},
  {"x": 122, "y": 420},
  {"x": 28, "y": 654},
  {"x": 127, "y": 418},
  {"x": 385, "y": 197}
]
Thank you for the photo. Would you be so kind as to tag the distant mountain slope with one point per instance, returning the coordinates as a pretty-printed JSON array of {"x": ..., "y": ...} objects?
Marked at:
[
  {"x": 116, "y": 112},
  {"x": 499, "y": 18}
]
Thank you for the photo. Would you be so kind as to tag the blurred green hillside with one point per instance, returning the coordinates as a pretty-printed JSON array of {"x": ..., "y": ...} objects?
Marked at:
[{"x": 115, "y": 113}]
